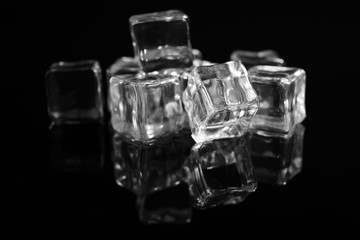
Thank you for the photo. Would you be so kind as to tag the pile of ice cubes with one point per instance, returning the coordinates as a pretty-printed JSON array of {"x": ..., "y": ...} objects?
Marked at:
[
  {"x": 242, "y": 114},
  {"x": 152, "y": 92}
]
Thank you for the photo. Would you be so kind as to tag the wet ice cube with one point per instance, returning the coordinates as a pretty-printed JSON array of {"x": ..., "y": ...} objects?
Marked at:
[
  {"x": 281, "y": 91},
  {"x": 254, "y": 58},
  {"x": 276, "y": 157},
  {"x": 161, "y": 40},
  {"x": 220, "y": 101},
  {"x": 146, "y": 107},
  {"x": 74, "y": 91},
  {"x": 219, "y": 172},
  {"x": 146, "y": 168},
  {"x": 170, "y": 205}
]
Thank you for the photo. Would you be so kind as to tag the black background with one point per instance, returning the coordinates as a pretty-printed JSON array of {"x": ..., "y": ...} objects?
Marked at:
[{"x": 323, "y": 197}]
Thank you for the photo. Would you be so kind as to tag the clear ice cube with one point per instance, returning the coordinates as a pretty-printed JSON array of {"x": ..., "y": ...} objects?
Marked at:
[
  {"x": 276, "y": 157},
  {"x": 170, "y": 205},
  {"x": 254, "y": 58},
  {"x": 146, "y": 106},
  {"x": 147, "y": 168},
  {"x": 74, "y": 91},
  {"x": 122, "y": 66},
  {"x": 219, "y": 172},
  {"x": 220, "y": 101},
  {"x": 281, "y": 91},
  {"x": 161, "y": 40}
]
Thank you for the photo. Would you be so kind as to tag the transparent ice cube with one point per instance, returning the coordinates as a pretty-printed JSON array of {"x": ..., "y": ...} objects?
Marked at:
[
  {"x": 219, "y": 172},
  {"x": 281, "y": 91},
  {"x": 145, "y": 107},
  {"x": 276, "y": 157},
  {"x": 253, "y": 58},
  {"x": 171, "y": 205},
  {"x": 161, "y": 40},
  {"x": 147, "y": 168},
  {"x": 220, "y": 101},
  {"x": 74, "y": 91},
  {"x": 122, "y": 66}
]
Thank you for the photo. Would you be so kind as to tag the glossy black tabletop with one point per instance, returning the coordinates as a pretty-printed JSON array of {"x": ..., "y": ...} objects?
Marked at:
[{"x": 47, "y": 193}]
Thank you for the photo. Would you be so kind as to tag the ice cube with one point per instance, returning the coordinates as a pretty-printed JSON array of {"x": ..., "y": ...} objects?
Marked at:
[
  {"x": 219, "y": 172},
  {"x": 74, "y": 91},
  {"x": 276, "y": 157},
  {"x": 254, "y": 58},
  {"x": 122, "y": 66},
  {"x": 161, "y": 40},
  {"x": 281, "y": 91},
  {"x": 146, "y": 106},
  {"x": 220, "y": 101},
  {"x": 146, "y": 168},
  {"x": 170, "y": 205}
]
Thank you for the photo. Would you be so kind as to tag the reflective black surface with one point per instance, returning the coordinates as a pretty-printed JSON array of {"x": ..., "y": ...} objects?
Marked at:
[{"x": 322, "y": 197}]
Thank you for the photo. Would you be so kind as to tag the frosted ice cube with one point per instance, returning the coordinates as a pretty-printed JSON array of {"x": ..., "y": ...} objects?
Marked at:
[
  {"x": 253, "y": 58},
  {"x": 220, "y": 101},
  {"x": 145, "y": 107},
  {"x": 74, "y": 91},
  {"x": 276, "y": 157},
  {"x": 219, "y": 172},
  {"x": 161, "y": 40},
  {"x": 281, "y": 91}
]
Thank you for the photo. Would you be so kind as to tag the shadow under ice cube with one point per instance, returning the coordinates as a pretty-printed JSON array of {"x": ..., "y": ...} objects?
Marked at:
[
  {"x": 161, "y": 40},
  {"x": 276, "y": 157},
  {"x": 78, "y": 147},
  {"x": 153, "y": 171},
  {"x": 281, "y": 91},
  {"x": 147, "y": 168},
  {"x": 171, "y": 205},
  {"x": 220, "y": 101},
  {"x": 144, "y": 107},
  {"x": 219, "y": 172},
  {"x": 74, "y": 91}
]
